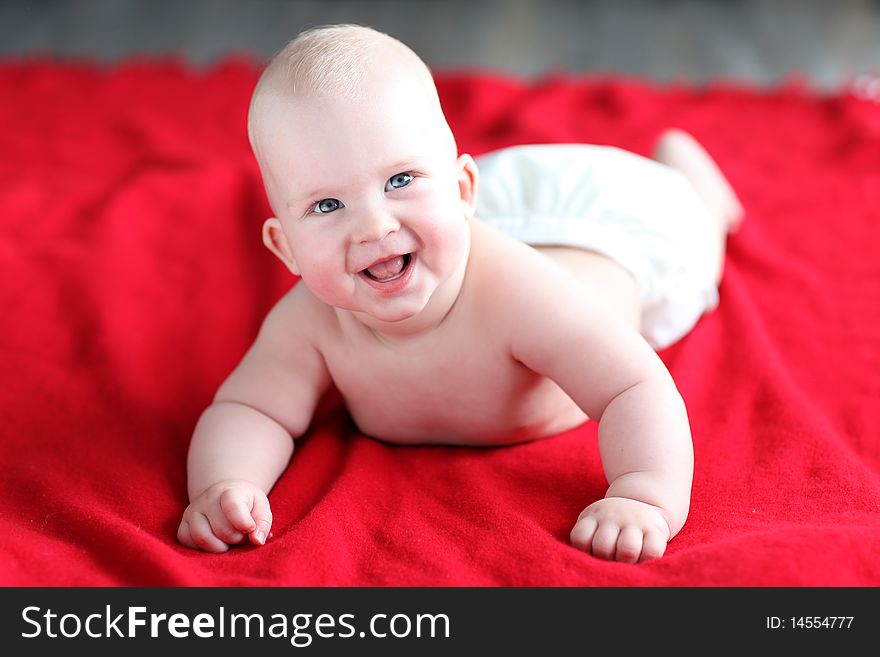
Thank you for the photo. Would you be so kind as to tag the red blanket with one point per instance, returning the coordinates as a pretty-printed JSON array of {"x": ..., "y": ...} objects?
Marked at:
[{"x": 132, "y": 279}]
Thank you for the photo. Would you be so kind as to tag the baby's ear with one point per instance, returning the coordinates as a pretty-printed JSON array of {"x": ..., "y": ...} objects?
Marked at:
[
  {"x": 468, "y": 178},
  {"x": 276, "y": 241}
]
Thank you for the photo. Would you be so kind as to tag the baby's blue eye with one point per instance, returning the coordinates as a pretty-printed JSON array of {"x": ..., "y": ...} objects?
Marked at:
[
  {"x": 397, "y": 181},
  {"x": 327, "y": 205}
]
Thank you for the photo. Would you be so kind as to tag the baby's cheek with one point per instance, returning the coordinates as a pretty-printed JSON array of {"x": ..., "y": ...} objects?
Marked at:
[
  {"x": 451, "y": 239},
  {"x": 321, "y": 280}
]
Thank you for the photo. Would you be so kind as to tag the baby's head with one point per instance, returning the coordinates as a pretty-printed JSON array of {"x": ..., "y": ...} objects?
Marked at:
[
  {"x": 361, "y": 170},
  {"x": 347, "y": 62}
]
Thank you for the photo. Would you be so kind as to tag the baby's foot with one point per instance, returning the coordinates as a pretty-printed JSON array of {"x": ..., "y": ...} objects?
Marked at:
[
  {"x": 621, "y": 529},
  {"x": 681, "y": 151}
]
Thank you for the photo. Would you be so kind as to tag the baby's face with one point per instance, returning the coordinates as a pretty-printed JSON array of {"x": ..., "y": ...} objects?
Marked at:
[{"x": 367, "y": 192}]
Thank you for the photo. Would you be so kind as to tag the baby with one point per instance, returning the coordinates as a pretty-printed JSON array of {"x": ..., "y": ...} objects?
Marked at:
[{"x": 441, "y": 319}]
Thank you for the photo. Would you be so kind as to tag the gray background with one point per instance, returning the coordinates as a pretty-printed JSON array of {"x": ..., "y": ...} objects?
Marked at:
[{"x": 761, "y": 42}]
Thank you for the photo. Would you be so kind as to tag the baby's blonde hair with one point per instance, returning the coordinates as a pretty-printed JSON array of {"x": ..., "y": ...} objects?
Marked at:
[
  {"x": 331, "y": 60},
  {"x": 326, "y": 60}
]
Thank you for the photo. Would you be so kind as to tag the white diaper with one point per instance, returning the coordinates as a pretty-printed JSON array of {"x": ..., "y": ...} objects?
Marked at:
[{"x": 643, "y": 214}]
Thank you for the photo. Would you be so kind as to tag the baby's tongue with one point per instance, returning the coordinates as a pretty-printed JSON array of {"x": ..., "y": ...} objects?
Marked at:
[{"x": 387, "y": 268}]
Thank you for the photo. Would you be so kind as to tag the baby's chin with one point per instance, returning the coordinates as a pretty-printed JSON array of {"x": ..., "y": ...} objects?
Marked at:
[
  {"x": 389, "y": 311},
  {"x": 390, "y": 316}
]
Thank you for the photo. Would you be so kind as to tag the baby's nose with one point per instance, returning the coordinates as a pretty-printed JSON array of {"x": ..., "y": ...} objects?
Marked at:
[{"x": 374, "y": 225}]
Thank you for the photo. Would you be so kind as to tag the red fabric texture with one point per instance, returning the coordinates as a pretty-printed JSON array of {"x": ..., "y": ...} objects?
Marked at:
[{"x": 133, "y": 278}]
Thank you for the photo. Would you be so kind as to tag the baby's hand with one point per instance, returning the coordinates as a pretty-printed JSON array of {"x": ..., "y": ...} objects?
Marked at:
[
  {"x": 621, "y": 529},
  {"x": 224, "y": 514}
]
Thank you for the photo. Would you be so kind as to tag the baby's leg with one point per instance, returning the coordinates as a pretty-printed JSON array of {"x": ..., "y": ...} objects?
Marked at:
[{"x": 677, "y": 149}]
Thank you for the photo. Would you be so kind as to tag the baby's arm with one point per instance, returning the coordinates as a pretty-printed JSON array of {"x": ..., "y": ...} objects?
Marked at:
[
  {"x": 647, "y": 455},
  {"x": 644, "y": 434},
  {"x": 244, "y": 440}
]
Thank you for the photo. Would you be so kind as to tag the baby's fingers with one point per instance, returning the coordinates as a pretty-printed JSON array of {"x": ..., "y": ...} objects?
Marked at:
[
  {"x": 629, "y": 545},
  {"x": 195, "y": 532},
  {"x": 604, "y": 544},
  {"x": 597, "y": 538},
  {"x": 653, "y": 546},
  {"x": 262, "y": 515},
  {"x": 581, "y": 535},
  {"x": 237, "y": 509}
]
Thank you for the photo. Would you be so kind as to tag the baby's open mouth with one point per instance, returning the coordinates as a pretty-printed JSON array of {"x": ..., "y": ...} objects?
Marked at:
[{"x": 388, "y": 270}]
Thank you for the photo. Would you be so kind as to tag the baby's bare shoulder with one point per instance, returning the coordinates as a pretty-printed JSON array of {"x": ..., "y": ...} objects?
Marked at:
[
  {"x": 513, "y": 276},
  {"x": 283, "y": 373},
  {"x": 300, "y": 312},
  {"x": 550, "y": 318}
]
